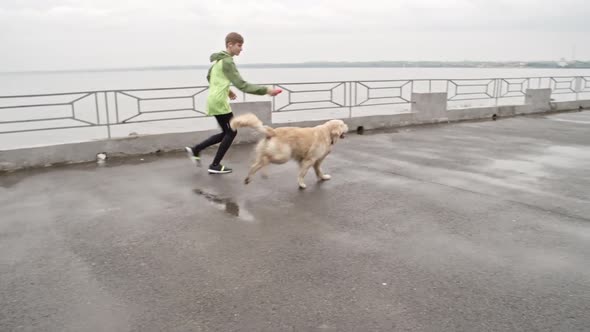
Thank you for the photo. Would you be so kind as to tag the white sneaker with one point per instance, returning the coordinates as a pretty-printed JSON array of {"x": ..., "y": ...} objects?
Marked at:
[{"x": 194, "y": 158}]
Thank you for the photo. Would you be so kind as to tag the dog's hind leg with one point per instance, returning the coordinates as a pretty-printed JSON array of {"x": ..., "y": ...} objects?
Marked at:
[
  {"x": 260, "y": 162},
  {"x": 303, "y": 168},
  {"x": 318, "y": 171}
]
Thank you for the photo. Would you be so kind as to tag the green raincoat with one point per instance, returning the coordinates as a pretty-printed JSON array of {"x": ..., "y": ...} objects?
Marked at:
[{"x": 221, "y": 74}]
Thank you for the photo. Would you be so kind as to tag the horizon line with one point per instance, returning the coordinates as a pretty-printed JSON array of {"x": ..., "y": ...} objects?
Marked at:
[{"x": 376, "y": 63}]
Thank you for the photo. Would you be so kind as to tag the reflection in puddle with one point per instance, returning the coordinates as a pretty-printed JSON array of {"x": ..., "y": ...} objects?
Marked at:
[{"x": 226, "y": 204}]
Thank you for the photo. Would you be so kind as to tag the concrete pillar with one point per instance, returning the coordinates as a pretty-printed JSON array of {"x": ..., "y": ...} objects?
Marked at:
[
  {"x": 539, "y": 100},
  {"x": 262, "y": 109},
  {"x": 429, "y": 107}
]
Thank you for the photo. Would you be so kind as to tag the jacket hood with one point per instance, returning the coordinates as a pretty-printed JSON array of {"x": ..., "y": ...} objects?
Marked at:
[{"x": 218, "y": 56}]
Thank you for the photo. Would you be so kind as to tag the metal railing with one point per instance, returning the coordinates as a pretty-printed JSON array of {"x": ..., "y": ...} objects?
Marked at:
[
  {"x": 108, "y": 109},
  {"x": 97, "y": 108}
]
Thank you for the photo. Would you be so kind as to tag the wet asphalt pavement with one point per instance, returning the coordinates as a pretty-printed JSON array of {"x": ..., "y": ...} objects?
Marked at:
[{"x": 479, "y": 226}]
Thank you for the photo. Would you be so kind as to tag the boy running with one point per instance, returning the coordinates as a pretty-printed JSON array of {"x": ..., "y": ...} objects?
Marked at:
[{"x": 221, "y": 74}]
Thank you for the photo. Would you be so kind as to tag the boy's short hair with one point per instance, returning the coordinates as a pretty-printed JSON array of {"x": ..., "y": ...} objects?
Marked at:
[{"x": 234, "y": 37}]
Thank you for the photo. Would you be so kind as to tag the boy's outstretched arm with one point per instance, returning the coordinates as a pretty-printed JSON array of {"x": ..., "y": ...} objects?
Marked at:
[{"x": 231, "y": 72}]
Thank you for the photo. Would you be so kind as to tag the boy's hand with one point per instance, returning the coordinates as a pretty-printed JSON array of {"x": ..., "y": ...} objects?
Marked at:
[
  {"x": 232, "y": 95},
  {"x": 273, "y": 92}
]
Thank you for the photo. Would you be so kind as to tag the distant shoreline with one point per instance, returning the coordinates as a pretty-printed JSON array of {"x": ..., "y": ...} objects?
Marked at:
[{"x": 369, "y": 64}]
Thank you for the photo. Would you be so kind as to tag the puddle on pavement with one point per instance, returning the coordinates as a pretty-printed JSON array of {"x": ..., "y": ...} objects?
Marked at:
[
  {"x": 540, "y": 164},
  {"x": 226, "y": 204}
]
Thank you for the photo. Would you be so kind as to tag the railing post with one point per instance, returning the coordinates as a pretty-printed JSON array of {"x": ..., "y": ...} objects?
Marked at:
[
  {"x": 347, "y": 92},
  {"x": 498, "y": 90},
  {"x": 578, "y": 86},
  {"x": 106, "y": 105},
  {"x": 97, "y": 109},
  {"x": 272, "y": 108}
]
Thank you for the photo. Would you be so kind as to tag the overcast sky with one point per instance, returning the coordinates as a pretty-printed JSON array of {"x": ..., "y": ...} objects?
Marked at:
[{"x": 74, "y": 34}]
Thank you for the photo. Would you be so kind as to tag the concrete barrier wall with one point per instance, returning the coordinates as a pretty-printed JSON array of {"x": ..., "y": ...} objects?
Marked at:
[
  {"x": 570, "y": 105},
  {"x": 133, "y": 145},
  {"x": 426, "y": 108}
]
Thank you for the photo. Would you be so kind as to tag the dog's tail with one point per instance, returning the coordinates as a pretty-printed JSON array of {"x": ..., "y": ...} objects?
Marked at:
[{"x": 252, "y": 121}]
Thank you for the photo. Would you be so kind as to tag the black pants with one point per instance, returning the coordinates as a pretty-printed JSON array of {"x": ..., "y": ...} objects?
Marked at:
[{"x": 226, "y": 137}]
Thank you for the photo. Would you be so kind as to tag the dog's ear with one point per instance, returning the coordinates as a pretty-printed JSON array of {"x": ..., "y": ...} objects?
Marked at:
[{"x": 335, "y": 131}]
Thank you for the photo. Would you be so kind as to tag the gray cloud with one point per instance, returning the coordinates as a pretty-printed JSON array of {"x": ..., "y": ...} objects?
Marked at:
[{"x": 67, "y": 34}]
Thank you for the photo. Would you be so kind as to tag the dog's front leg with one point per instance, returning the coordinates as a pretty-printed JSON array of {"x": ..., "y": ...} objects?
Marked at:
[
  {"x": 303, "y": 168},
  {"x": 318, "y": 171}
]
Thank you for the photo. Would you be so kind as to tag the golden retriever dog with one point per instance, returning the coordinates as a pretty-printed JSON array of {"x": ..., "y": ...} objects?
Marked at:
[{"x": 307, "y": 146}]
